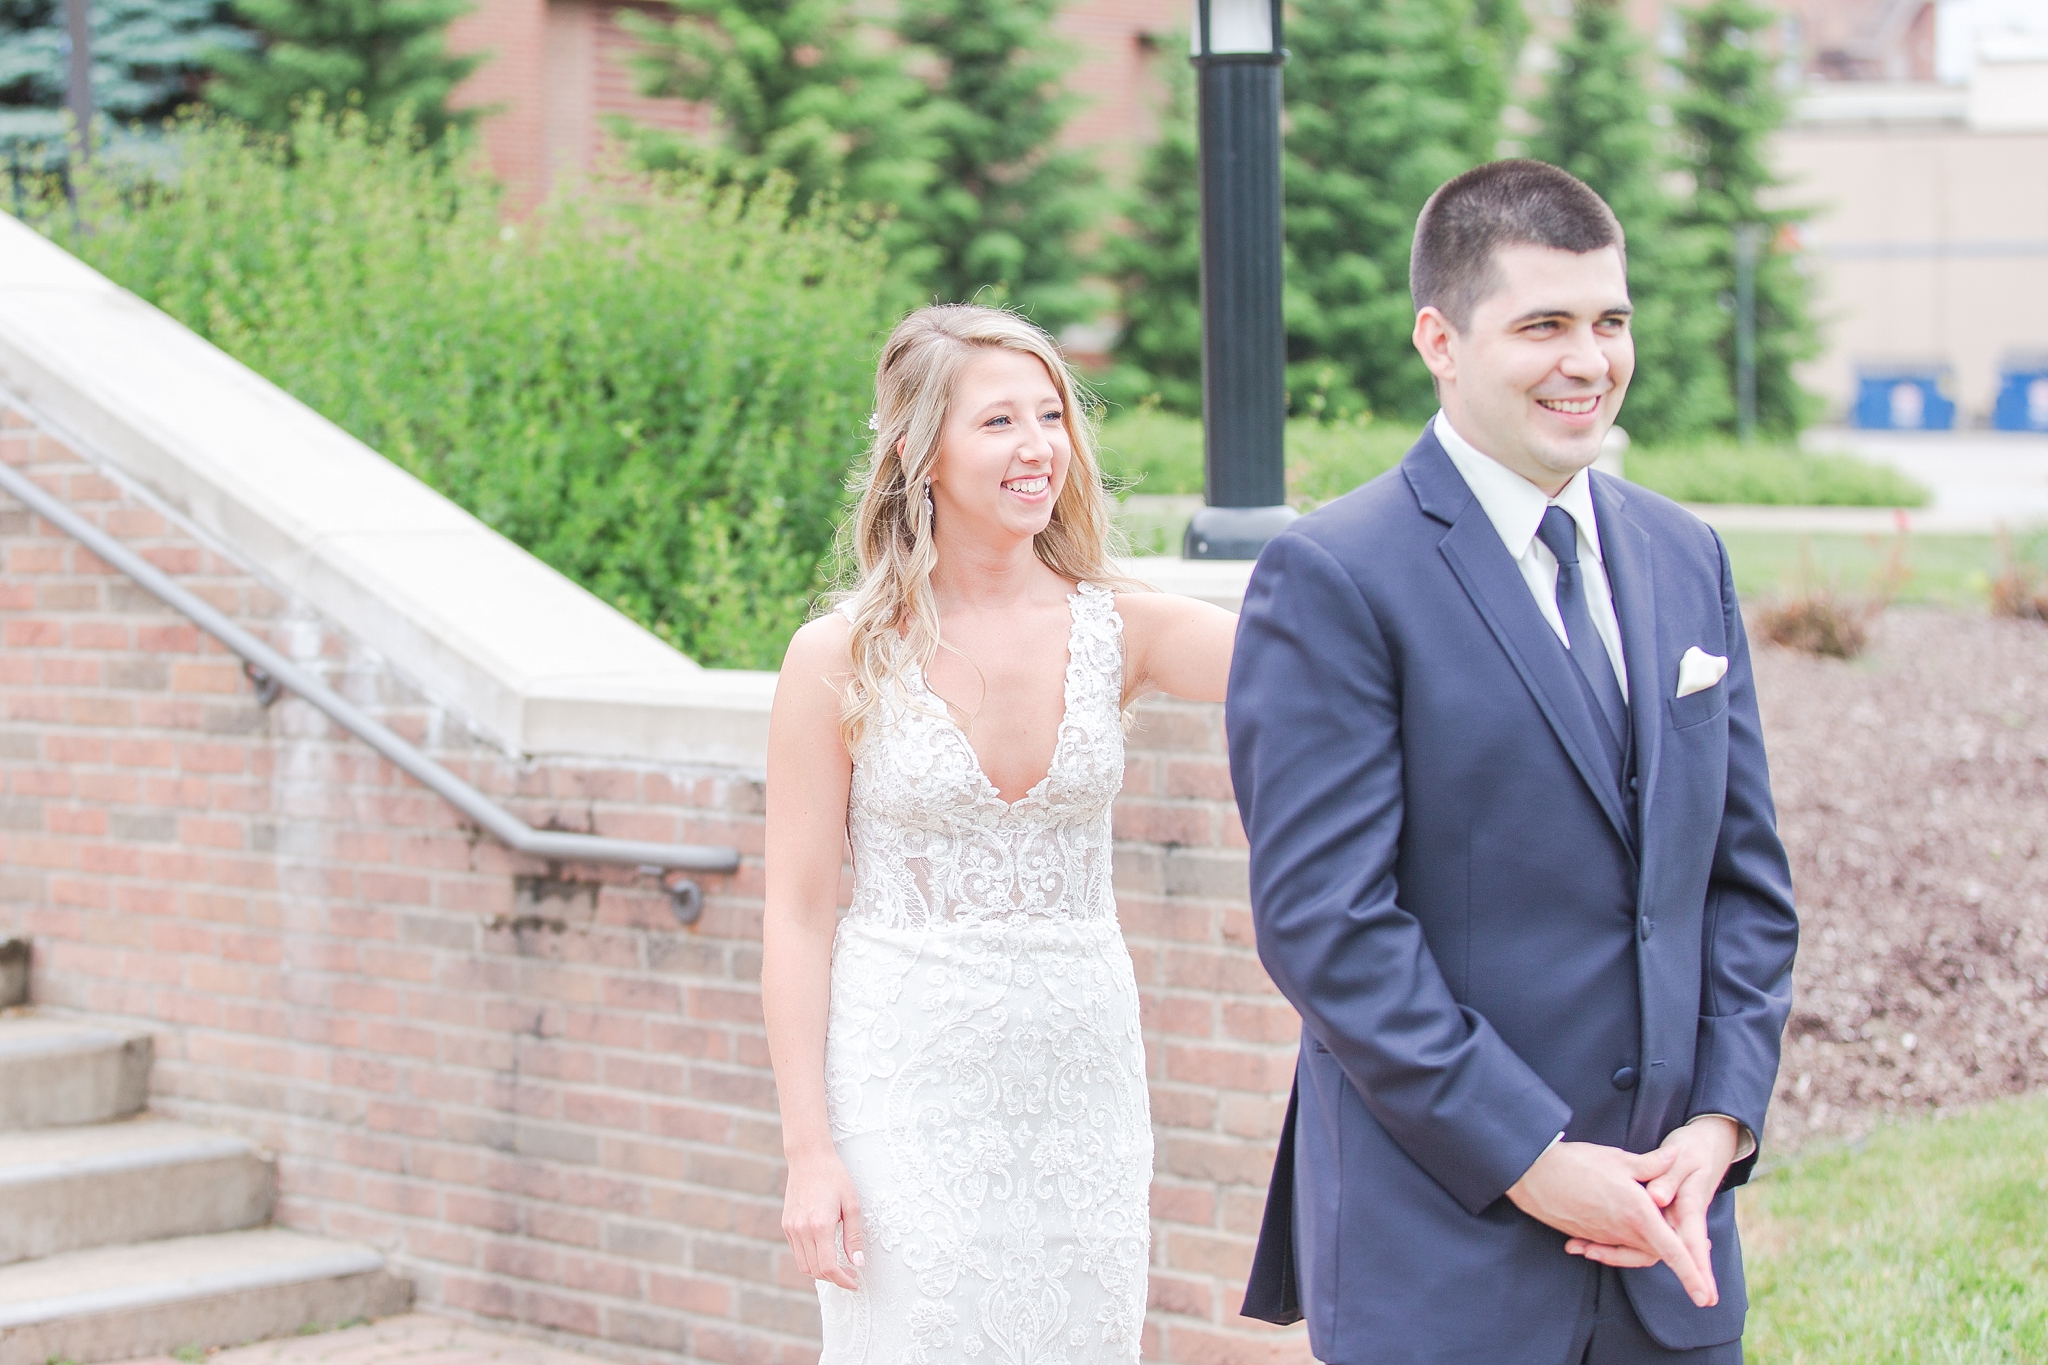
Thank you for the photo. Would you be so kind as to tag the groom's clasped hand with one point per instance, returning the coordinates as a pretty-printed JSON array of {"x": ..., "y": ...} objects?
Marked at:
[{"x": 1624, "y": 1208}]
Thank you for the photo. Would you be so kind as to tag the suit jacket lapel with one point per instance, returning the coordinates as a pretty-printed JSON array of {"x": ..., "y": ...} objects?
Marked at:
[
  {"x": 1481, "y": 564},
  {"x": 1626, "y": 548}
]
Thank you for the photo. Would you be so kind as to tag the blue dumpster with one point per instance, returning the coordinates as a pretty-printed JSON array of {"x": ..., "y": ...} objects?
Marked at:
[
  {"x": 1904, "y": 398},
  {"x": 2022, "y": 395}
]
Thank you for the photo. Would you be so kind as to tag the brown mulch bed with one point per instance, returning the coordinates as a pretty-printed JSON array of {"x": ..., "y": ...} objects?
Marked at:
[{"x": 1912, "y": 789}]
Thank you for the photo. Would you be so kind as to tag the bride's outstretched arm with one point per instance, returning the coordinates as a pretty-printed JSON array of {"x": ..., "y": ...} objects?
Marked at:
[
  {"x": 1176, "y": 645},
  {"x": 809, "y": 773}
]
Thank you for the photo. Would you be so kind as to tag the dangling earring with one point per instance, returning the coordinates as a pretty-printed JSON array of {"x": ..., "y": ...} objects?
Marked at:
[{"x": 930, "y": 511}]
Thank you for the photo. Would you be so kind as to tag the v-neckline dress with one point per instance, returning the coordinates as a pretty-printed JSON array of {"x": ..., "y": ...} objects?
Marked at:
[{"x": 985, "y": 1074}]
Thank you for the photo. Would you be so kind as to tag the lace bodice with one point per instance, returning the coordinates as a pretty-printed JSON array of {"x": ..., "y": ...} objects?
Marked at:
[{"x": 933, "y": 841}]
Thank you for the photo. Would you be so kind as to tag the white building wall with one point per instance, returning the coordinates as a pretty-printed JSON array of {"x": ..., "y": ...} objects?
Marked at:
[{"x": 1930, "y": 235}]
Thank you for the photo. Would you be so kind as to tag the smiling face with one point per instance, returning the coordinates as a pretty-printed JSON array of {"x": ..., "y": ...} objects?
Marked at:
[
  {"x": 1537, "y": 377},
  {"x": 1003, "y": 451}
]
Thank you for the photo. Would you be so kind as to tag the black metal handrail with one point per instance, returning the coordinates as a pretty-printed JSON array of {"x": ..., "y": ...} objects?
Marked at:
[{"x": 270, "y": 671}]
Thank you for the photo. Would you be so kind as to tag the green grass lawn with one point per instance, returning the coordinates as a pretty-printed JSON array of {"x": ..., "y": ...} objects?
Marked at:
[
  {"x": 1153, "y": 452},
  {"x": 1947, "y": 571},
  {"x": 1927, "y": 1243}
]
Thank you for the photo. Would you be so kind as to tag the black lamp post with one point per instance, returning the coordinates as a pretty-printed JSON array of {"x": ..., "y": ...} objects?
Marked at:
[{"x": 1237, "y": 56}]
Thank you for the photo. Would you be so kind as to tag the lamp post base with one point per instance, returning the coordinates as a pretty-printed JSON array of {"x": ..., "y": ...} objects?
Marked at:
[{"x": 1234, "y": 532}]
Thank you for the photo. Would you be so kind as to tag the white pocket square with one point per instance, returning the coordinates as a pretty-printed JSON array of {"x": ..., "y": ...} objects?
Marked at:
[{"x": 1699, "y": 670}]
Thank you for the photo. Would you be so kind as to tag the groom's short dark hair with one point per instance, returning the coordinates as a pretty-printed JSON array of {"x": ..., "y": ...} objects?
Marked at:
[{"x": 1502, "y": 203}]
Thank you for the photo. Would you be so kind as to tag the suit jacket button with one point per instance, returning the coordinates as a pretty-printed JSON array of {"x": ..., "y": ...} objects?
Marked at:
[
  {"x": 1625, "y": 1079},
  {"x": 1645, "y": 928}
]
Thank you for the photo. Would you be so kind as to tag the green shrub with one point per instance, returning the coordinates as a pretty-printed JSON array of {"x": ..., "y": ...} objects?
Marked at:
[
  {"x": 657, "y": 389},
  {"x": 1326, "y": 460},
  {"x": 1152, "y": 451},
  {"x": 1721, "y": 471},
  {"x": 1148, "y": 450}
]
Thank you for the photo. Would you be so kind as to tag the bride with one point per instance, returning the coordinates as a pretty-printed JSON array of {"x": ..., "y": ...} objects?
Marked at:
[{"x": 958, "y": 1060}]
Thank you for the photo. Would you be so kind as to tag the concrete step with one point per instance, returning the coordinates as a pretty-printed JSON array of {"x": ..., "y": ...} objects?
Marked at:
[
  {"x": 117, "y": 1303},
  {"x": 57, "y": 1073},
  {"x": 65, "y": 1189}
]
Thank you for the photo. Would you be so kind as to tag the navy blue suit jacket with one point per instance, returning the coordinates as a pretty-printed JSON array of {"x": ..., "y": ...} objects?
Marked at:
[{"x": 1490, "y": 938}]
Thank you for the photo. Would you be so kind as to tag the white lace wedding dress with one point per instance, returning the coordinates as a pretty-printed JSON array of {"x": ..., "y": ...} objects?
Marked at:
[{"x": 984, "y": 1072}]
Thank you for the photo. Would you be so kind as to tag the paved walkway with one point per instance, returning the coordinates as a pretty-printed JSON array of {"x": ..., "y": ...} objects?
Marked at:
[{"x": 410, "y": 1339}]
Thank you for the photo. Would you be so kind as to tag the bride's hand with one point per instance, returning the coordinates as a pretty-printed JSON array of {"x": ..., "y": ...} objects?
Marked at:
[{"x": 819, "y": 1198}]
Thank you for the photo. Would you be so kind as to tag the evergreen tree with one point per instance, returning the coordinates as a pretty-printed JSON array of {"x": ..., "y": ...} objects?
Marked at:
[
  {"x": 1386, "y": 100},
  {"x": 1727, "y": 112},
  {"x": 1157, "y": 265},
  {"x": 1007, "y": 203},
  {"x": 1506, "y": 25},
  {"x": 384, "y": 55},
  {"x": 148, "y": 58},
  {"x": 801, "y": 89},
  {"x": 1595, "y": 118}
]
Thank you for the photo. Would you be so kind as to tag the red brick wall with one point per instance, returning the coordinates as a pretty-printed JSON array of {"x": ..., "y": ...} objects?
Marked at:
[
  {"x": 547, "y": 1101},
  {"x": 1124, "y": 46},
  {"x": 512, "y": 36}
]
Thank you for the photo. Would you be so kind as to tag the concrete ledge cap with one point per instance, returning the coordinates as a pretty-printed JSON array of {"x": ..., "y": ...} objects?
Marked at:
[
  {"x": 1221, "y": 581},
  {"x": 534, "y": 661}
]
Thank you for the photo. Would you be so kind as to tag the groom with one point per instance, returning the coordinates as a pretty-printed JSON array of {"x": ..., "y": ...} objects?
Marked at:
[{"x": 1513, "y": 854}]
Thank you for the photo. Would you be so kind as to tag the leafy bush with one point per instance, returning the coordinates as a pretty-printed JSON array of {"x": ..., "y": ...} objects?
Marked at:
[
  {"x": 1153, "y": 451},
  {"x": 657, "y": 389},
  {"x": 1326, "y": 460},
  {"x": 1722, "y": 471},
  {"x": 1148, "y": 450}
]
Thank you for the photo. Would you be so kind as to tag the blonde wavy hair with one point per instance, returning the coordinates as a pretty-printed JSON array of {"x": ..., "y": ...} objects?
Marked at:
[{"x": 893, "y": 611}]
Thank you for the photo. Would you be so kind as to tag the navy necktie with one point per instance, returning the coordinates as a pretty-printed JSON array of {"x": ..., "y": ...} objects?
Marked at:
[{"x": 1561, "y": 534}]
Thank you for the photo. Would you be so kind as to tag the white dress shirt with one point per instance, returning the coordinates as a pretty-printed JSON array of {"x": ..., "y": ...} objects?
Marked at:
[{"x": 1515, "y": 507}]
